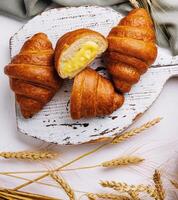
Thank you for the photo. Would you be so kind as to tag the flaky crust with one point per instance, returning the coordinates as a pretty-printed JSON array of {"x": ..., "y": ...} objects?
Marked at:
[
  {"x": 93, "y": 95},
  {"x": 32, "y": 75},
  {"x": 67, "y": 39},
  {"x": 131, "y": 50}
]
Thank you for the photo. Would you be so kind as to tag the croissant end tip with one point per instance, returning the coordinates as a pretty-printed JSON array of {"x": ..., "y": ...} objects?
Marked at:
[{"x": 118, "y": 101}]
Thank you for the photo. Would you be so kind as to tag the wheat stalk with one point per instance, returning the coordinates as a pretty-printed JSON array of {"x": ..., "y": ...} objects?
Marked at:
[
  {"x": 174, "y": 183},
  {"x": 124, "y": 160},
  {"x": 115, "y": 140},
  {"x": 29, "y": 155},
  {"x": 158, "y": 185},
  {"x": 7, "y": 193},
  {"x": 134, "y": 3},
  {"x": 66, "y": 187},
  {"x": 136, "y": 131}
]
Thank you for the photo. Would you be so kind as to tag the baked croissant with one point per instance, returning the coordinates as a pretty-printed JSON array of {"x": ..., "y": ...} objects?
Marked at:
[
  {"x": 32, "y": 75},
  {"x": 93, "y": 95},
  {"x": 131, "y": 50},
  {"x": 76, "y": 49}
]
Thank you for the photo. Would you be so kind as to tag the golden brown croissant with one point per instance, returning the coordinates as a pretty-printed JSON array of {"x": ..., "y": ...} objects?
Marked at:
[
  {"x": 93, "y": 95},
  {"x": 76, "y": 49},
  {"x": 32, "y": 75},
  {"x": 131, "y": 50}
]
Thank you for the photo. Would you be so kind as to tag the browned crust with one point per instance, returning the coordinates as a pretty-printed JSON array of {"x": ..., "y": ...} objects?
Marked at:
[
  {"x": 121, "y": 85},
  {"x": 32, "y": 75},
  {"x": 67, "y": 39},
  {"x": 93, "y": 95},
  {"x": 124, "y": 72},
  {"x": 138, "y": 17},
  {"x": 115, "y": 57},
  {"x": 43, "y": 75},
  {"x": 145, "y": 51},
  {"x": 138, "y": 33},
  {"x": 131, "y": 49}
]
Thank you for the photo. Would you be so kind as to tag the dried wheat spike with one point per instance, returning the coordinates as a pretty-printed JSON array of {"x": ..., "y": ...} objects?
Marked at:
[
  {"x": 136, "y": 131},
  {"x": 66, "y": 187},
  {"x": 29, "y": 155},
  {"x": 124, "y": 187},
  {"x": 112, "y": 196},
  {"x": 121, "y": 187},
  {"x": 134, "y": 195},
  {"x": 124, "y": 160},
  {"x": 174, "y": 183},
  {"x": 152, "y": 192},
  {"x": 91, "y": 196},
  {"x": 159, "y": 185}
]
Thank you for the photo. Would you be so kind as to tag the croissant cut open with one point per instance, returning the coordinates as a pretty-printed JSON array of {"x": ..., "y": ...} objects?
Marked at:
[
  {"x": 32, "y": 75},
  {"x": 93, "y": 95},
  {"x": 76, "y": 50},
  {"x": 131, "y": 50}
]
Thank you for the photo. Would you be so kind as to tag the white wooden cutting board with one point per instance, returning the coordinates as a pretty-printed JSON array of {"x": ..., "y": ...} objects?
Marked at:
[{"x": 53, "y": 123}]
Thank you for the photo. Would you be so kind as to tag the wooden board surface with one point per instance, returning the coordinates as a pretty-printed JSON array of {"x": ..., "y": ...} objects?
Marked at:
[{"x": 53, "y": 123}]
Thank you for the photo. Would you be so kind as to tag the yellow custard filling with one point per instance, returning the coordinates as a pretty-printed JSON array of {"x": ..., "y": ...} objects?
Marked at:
[{"x": 82, "y": 57}]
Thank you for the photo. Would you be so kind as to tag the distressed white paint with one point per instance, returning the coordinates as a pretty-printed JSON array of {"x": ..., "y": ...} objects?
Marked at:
[{"x": 51, "y": 123}]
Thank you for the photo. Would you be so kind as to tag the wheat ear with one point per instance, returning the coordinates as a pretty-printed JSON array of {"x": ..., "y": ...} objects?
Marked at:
[
  {"x": 70, "y": 162},
  {"x": 134, "y": 195},
  {"x": 158, "y": 185},
  {"x": 124, "y": 160},
  {"x": 174, "y": 183},
  {"x": 112, "y": 196},
  {"x": 124, "y": 187},
  {"x": 91, "y": 196},
  {"x": 152, "y": 193},
  {"x": 66, "y": 187},
  {"x": 107, "y": 196},
  {"x": 29, "y": 155},
  {"x": 136, "y": 131}
]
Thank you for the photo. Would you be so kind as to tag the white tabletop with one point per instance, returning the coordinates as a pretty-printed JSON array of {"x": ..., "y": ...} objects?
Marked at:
[{"x": 158, "y": 145}]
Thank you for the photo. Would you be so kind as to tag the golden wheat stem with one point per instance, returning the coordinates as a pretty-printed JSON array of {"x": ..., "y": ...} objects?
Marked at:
[
  {"x": 66, "y": 187},
  {"x": 135, "y": 131},
  {"x": 40, "y": 183},
  {"x": 29, "y": 155},
  {"x": 23, "y": 195},
  {"x": 61, "y": 167},
  {"x": 174, "y": 183},
  {"x": 124, "y": 160},
  {"x": 134, "y": 3},
  {"x": 159, "y": 185},
  {"x": 117, "y": 139}
]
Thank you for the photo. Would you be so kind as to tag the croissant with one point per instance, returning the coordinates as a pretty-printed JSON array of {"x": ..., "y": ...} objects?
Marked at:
[
  {"x": 32, "y": 75},
  {"x": 131, "y": 50},
  {"x": 76, "y": 49},
  {"x": 93, "y": 95}
]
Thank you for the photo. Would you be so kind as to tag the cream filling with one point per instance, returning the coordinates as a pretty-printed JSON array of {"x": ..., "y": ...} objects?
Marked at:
[{"x": 80, "y": 59}]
